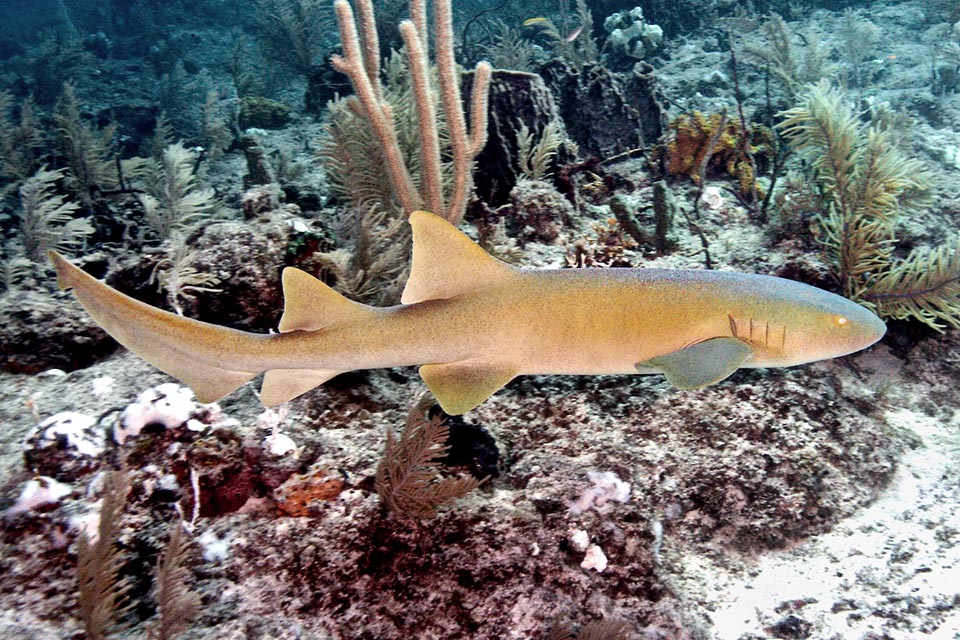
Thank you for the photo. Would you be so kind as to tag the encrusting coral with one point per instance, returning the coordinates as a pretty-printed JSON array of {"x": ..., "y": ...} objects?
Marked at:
[{"x": 700, "y": 143}]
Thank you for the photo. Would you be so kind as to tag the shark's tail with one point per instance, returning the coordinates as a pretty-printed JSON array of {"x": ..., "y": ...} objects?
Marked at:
[
  {"x": 214, "y": 360},
  {"x": 184, "y": 348}
]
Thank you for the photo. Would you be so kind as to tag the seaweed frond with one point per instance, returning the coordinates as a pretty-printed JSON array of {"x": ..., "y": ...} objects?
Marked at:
[
  {"x": 376, "y": 268},
  {"x": 13, "y": 270},
  {"x": 508, "y": 49},
  {"x": 577, "y": 45},
  {"x": 925, "y": 285},
  {"x": 88, "y": 150},
  {"x": 177, "y": 277},
  {"x": 866, "y": 183},
  {"x": 21, "y": 139},
  {"x": 46, "y": 217},
  {"x": 407, "y": 477},
  {"x": 175, "y": 196},
  {"x": 216, "y": 132},
  {"x": 535, "y": 157},
  {"x": 101, "y": 590},
  {"x": 292, "y": 32},
  {"x": 608, "y": 629},
  {"x": 177, "y": 604},
  {"x": 605, "y": 630},
  {"x": 859, "y": 37},
  {"x": 356, "y": 170},
  {"x": 792, "y": 66}
]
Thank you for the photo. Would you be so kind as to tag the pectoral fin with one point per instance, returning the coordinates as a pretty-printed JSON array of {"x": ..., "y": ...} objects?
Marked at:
[
  {"x": 461, "y": 386},
  {"x": 701, "y": 364}
]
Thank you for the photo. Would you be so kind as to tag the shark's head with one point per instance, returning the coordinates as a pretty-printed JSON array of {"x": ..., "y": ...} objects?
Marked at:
[{"x": 811, "y": 324}]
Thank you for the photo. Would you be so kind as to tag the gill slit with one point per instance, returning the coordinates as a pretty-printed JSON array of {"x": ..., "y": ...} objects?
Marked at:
[{"x": 738, "y": 331}]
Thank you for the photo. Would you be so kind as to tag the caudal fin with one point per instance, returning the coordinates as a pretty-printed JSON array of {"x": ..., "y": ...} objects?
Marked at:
[{"x": 189, "y": 350}]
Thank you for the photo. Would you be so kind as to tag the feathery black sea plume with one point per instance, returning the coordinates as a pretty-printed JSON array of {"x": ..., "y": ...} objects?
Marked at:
[
  {"x": 408, "y": 479},
  {"x": 101, "y": 590},
  {"x": 177, "y": 605}
]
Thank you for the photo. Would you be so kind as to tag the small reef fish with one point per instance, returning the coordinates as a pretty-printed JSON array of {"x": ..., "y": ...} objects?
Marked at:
[
  {"x": 474, "y": 323},
  {"x": 530, "y": 22},
  {"x": 573, "y": 35}
]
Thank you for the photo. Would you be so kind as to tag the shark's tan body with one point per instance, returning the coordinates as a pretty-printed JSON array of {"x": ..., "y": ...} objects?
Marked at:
[{"x": 475, "y": 323}]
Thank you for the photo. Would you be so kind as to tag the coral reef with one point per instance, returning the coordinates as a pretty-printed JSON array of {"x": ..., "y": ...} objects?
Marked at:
[
  {"x": 263, "y": 113},
  {"x": 180, "y": 163}
]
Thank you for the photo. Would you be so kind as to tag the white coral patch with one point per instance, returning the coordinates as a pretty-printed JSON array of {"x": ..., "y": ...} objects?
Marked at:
[
  {"x": 712, "y": 198},
  {"x": 37, "y": 492},
  {"x": 594, "y": 559},
  {"x": 607, "y": 488},
  {"x": 77, "y": 431},
  {"x": 580, "y": 539},
  {"x": 168, "y": 404},
  {"x": 215, "y": 548},
  {"x": 279, "y": 444},
  {"x": 102, "y": 385}
]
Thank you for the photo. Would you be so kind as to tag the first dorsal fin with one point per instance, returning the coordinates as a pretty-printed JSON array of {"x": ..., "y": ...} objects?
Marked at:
[
  {"x": 446, "y": 262},
  {"x": 309, "y": 304}
]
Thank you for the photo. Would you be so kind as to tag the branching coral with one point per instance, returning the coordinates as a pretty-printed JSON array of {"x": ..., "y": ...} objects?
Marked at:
[
  {"x": 361, "y": 63},
  {"x": 356, "y": 168},
  {"x": 866, "y": 185},
  {"x": 389, "y": 149}
]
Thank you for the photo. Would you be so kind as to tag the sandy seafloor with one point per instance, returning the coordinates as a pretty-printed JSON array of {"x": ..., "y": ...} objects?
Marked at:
[{"x": 817, "y": 502}]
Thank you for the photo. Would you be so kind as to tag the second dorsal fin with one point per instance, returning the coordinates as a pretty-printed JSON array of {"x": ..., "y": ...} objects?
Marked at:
[
  {"x": 446, "y": 262},
  {"x": 309, "y": 304}
]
